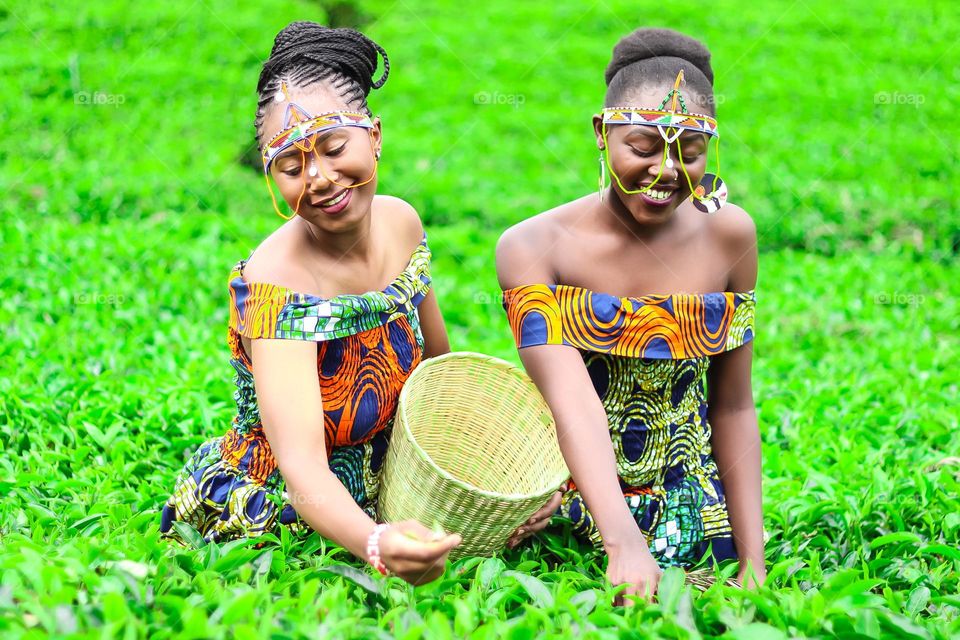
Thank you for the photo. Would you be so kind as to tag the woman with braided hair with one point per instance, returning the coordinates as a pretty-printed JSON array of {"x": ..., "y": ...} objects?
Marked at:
[
  {"x": 328, "y": 318},
  {"x": 622, "y": 302}
]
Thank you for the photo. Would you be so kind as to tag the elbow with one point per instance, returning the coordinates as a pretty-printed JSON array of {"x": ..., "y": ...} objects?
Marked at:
[
  {"x": 296, "y": 456},
  {"x": 437, "y": 349},
  {"x": 726, "y": 413},
  {"x": 304, "y": 473}
]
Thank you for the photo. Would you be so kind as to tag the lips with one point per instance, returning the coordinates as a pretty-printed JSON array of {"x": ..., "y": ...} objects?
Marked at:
[
  {"x": 334, "y": 205},
  {"x": 659, "y": 195},
  {"x": 327, "y": 202},
  {"x": 661, "y": 186}
]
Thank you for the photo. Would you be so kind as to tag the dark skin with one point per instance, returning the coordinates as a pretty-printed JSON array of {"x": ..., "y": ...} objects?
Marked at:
[
  {"x": 626, "y": 246},
  {"x": 359, "y": 249}
]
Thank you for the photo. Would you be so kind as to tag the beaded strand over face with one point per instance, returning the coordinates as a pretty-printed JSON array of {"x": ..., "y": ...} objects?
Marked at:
[
  {"x": 304, "y": 55},
  {"x": 670, "y": 123},
  {"x": 300, "y": 130}
]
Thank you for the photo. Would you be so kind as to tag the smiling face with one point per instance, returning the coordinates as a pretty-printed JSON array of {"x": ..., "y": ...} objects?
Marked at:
[
  {"x": 321, "y": 185},
  {"x": 636, "y": 153}
]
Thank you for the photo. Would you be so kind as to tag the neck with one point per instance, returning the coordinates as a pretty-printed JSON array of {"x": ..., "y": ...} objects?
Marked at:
[
  {"x": 353, "y": 244},
  {"x": 619, "y": 219}
]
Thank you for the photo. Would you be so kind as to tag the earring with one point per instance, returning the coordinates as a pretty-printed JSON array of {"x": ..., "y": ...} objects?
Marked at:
[
  {"x": 377, "y": 154},
  {"x": 710, "y": 194},
  {"x": 602, "y": 183}
]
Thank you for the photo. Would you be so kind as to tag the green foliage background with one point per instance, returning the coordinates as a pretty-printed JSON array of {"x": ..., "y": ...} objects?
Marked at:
[{"x": 126, "y": 200}]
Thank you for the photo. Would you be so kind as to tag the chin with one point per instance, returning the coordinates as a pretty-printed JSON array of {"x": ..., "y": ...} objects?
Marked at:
[
  {"x": 643, "y": 213},
  {"x": 356, "y": 212},
  {"x": 653, "y": 218}
]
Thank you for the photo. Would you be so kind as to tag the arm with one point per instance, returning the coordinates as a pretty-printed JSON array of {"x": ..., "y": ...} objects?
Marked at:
[
  {"x": 432, "y": 327},
  {"x": 732, "y": 413},
  {"x": 436, "y": 342},
  {"x": 288, "y": 394},
  {"x": 584, "y": 438},
  {"x": 736, "y": 449},
  {"x": 582, "y": 429}
]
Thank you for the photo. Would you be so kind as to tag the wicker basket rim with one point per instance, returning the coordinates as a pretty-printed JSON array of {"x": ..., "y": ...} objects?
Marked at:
[{"x": 401, "y": 410}]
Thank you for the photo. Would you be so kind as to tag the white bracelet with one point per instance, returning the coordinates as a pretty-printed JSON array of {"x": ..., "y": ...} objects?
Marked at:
[{"x": 373, "y": 549}]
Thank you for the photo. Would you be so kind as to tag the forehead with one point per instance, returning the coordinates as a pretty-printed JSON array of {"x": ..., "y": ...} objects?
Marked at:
[
  {"x": 650, "y": 96},
  {"x": 316, "y": 99}
]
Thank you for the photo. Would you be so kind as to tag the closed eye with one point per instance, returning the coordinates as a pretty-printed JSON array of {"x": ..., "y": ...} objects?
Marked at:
[{"x": 644, "y": 154}]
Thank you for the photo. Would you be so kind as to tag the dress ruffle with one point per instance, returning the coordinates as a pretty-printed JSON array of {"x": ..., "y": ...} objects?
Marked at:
[
  {"x": 224, "y": 497},
  {"x": 368, "y": 346},
  {"x": 647, "y": 358}
]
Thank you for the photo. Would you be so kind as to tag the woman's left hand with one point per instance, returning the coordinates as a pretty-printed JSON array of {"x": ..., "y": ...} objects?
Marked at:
[
  {"x": 537, "y": 522},
  {"x": 751, "y": 578}
]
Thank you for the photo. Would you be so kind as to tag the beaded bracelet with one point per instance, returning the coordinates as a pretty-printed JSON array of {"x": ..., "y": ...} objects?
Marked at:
[{"x": 373, "y": 549}]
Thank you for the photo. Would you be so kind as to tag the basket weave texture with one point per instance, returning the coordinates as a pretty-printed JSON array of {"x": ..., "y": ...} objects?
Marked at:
[{"x": 473, "y": 450}]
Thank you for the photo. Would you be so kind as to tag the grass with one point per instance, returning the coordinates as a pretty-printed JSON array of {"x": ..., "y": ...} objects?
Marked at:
[{"x": 119, "y": 239}]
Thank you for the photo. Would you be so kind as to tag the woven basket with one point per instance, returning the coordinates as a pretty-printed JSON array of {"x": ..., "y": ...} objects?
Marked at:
[{"x": 474, "y": 449}]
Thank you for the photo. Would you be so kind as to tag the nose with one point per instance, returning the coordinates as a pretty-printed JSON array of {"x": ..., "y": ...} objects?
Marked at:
[
  {"x": 319, "y": 177},
  {"x": 669, "y": 165}
]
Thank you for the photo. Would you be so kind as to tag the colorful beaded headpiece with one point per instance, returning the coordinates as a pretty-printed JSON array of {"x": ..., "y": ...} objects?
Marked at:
[
  {"x": 300, "y": 129},
  {"x": 299, "y": 126},
  {"x": 711, "y": 193}
]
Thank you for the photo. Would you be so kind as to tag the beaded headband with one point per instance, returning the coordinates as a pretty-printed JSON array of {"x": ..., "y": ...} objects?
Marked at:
[
  {"x": 304, "y": 126},
  {"x": 664, "y": 118},
  {"x": 299, "y": 129},
  {"x": 698, "y": 122},
  {"x": 710, "y": 194}
]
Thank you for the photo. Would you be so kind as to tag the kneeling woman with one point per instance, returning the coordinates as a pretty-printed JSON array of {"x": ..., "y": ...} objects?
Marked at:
[
  {"x": 328, "y": 318},
  {"x": 622, "y": 302}
]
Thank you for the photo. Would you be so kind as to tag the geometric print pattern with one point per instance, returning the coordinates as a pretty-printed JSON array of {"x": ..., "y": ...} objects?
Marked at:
[
  {"x": 656, "y": 406},
  {"x": 262, "y": 310},
  {"x": 658, "y": 326},
  {"x": 698, "y": 122},
  {"x": 367, "y": 347}
]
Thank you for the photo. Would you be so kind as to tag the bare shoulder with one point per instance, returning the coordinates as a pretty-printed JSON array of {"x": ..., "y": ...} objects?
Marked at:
[
  {"x": 736, "y": 233},
  {"x": 523, "y": 251},
  {"x": 274, "y": 261},
  {"x": 533, "y": 231},
  {"x": 401, "y": 218},
  {"x": 733, "y": 227}
]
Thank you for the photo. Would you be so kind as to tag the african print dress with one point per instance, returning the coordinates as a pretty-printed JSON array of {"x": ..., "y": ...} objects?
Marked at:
[
  {"x": 647, "y": 358},
  {"x": 367, "y": 346}
]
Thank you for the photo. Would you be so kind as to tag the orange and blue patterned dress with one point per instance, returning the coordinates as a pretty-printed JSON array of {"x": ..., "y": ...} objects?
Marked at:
[
  {"x": 367, "y": 346},
  {"x": 647, "y": 358}
]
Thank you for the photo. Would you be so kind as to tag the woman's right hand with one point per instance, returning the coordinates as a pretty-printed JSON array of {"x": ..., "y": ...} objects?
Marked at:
[
  {"x": 635, "y": 567},
  {"x": 414, "y": 552}
]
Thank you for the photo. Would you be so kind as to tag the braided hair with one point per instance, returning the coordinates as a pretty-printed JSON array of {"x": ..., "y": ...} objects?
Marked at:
[
  {"x": 652, "y": 58},
  {"x": 306, "y": 53}
]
